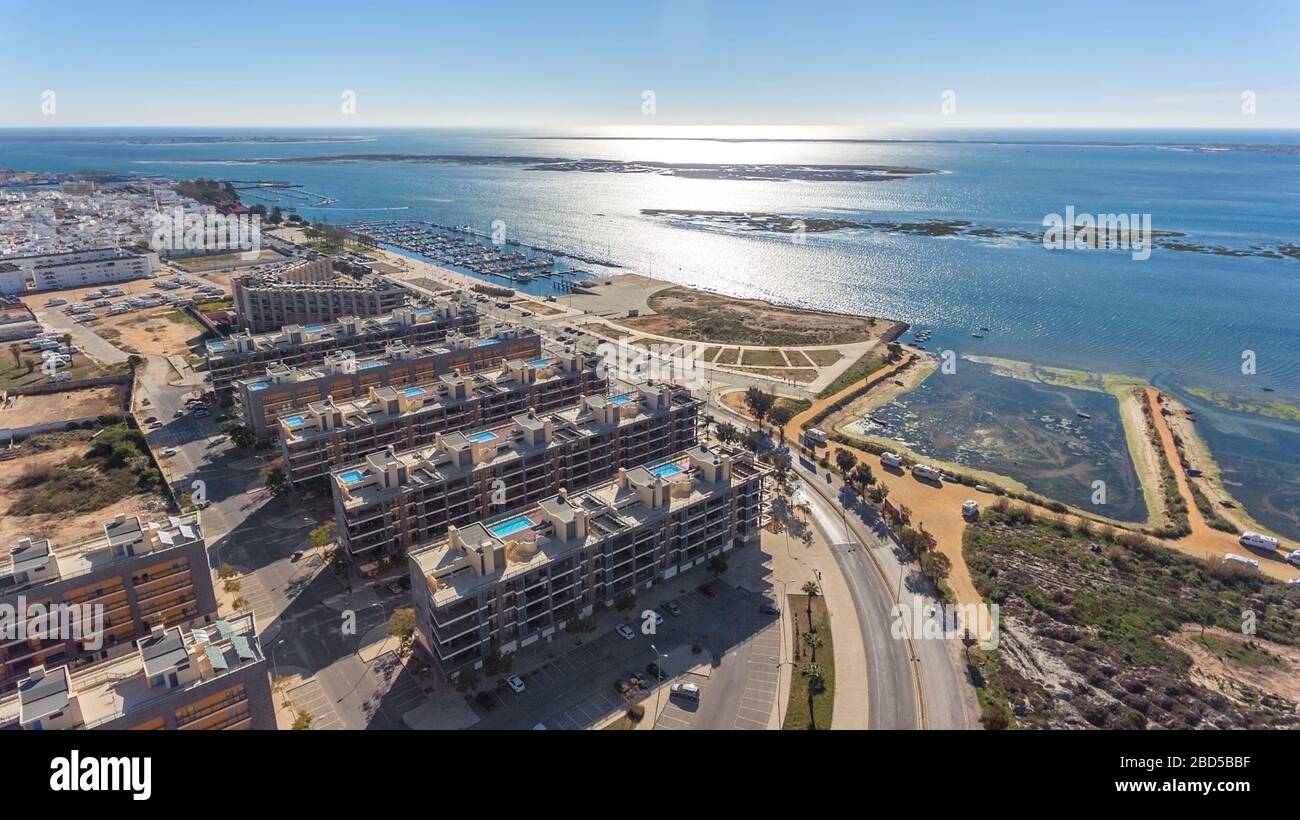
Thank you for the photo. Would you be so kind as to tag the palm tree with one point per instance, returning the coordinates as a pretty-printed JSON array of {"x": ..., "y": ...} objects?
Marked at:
[
  {"x": 816, "y": 683},
  {"x": 813, "y": 642},
  {"x": 811, "y": 590}
]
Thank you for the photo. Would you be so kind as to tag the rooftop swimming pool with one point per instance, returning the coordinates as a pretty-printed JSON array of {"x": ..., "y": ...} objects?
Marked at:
[
  {"x": 351, "y": 476},
  {"x": 621, "y": 400},
  {"x": 257, "y": 386},
  {"x": 314, "y": 328},
  {"x": 665, "y": 470},
  {"x": 540, "y": 362},
  {"x": 479, "y": 438},
  {"x": 368, "y": 365},
  {"x": 412, "y": 392},
  {"x": 511, "y": 526},
  {"x": 217, "y": 345},
  {"x": 295, "y": 421}
]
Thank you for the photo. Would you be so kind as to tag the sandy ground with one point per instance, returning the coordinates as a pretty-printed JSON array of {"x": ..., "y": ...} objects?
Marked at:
[
  {"x": 150, "y": 331},
  {"x": 63, "y": 528},
  {"x": 1225, "y": 676},
  {"x": 21, "y": 411},
  {"x": 1205, "y": 541}
]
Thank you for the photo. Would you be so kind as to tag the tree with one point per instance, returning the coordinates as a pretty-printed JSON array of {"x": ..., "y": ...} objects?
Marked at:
[
  {"x": 759, "y": 403},
  {"x": 324, "y": 534},
  {"x": 814, "y": 642},
  {"x": 401, "y": 625},
  {"x": 275, "y": 481},
  {"x": 718, "y": 564},
  {"x": 863, "y": 476},
  {"x": 240, "y": 436},
  {"x": 816, "y": 684},
  {"x": 780, "y": 416},
  {"x": 303, "y": 720},
  {"x": 626, "y": 601},
  {"x": 16, "y": 350},
  {"x": 895, "y": 351},
  {"x": 727, "y": 432},
  {"x": 967, "y": 641},
  {"x": 276, "y": 217},
  {"x": 811, "y": 590},
  {"x": 845, "y": 460},
  {"x": 281, "y": 686}
]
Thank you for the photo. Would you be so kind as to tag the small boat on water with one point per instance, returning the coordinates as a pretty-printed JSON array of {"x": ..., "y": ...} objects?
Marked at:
[
  {"x": 1083, "y": 415},
  {"x": 978, "y": 335}
]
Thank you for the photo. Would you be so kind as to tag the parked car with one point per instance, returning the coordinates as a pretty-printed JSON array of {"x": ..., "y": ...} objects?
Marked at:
[
  {"x": 515, "y": 683},
  {"x": 689, "y": 691},
  {"x": 626, "y": 631},
  {"x": 169, "y": 452},
  {"x": 672, "y": 608},
  {"x": 970, "y": 509},
  {"x": 1293, "y": 557},
  {"x": 654, "y": 670},
  {"x": 769, "y": 608},
  {"x": 151, "y": 420},
  {"x": 296, "y": 555}
]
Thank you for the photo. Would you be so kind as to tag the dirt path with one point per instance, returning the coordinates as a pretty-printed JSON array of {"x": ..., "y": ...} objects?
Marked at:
[{"x": 1204, "y": 541}]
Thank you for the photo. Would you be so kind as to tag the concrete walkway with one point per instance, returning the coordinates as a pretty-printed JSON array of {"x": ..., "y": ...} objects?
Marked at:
[{"x": 792, "y": 563}]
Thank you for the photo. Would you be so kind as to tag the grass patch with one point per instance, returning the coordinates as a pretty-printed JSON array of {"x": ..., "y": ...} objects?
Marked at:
[
  {"x": 823, "y": 358},
  {"x": 1243, "y": 652},
  {"x": 797, "y": 374},
  {"x": 764, "y": 358},
  {"x": 867, "y": 363},
  {"x": 216, "y": 304},
  {"x": 803, "y": 712},
  {"x": 729, "y": 355}
]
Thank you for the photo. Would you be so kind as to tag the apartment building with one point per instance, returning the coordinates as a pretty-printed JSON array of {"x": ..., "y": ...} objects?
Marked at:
[
  {"x": 136, "y": 576},
  {"x": 330, "y": 433},
  {"x": 508, "y": 581},
  {"x": 211, "y": 678},
  {"x": 309, "y": 292},
  {"x": 396, "y": 500},
  {"x": 75, "y": 269},
  {"x": 244, "y": 355},
  {"x": 343, "y": 375}
]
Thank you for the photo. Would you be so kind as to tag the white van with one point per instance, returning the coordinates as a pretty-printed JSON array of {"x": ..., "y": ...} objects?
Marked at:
[
  {"x": 1258, "y": 541},
  {"x": 926, "y": 472},
  {"x": 891, "y": 460},
  {"x": 815, "y": 437},
  {"x": 1233, "y": 558}
]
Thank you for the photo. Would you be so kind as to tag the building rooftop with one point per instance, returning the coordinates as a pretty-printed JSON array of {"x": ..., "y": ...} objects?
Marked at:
[
  {"x": 343, "y": 362},
  {"x": 388, "y": 473},
  {"x": 502, "y": 547},
  {"x": 119, "y": 686},
  {"x": 34, "y": 562},
  {"x": 288, "y": 337},
  {"x": 322, "y": 418}
]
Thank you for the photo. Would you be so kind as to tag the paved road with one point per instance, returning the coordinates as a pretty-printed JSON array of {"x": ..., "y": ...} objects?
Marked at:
[{"x": 875, "y": 579}]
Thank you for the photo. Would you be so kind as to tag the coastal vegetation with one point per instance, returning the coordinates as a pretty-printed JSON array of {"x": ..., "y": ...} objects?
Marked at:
[
  {"x": 116, "y": 464},
  {"x": 1268, "y": 408},
  {"x": 1106, "y": 615},
  {"x": 693, "y": 315}
]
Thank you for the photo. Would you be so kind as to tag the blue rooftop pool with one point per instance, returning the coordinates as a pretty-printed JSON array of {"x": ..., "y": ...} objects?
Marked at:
[
  {"x": 540, "y": 362},
  {"x": 295, "y": 421},
  {"x": 257, "y": 386},
  {"x": 412, "y": 392},
  {"x": 486, "y": 435},
  {"x": 665, "y": 470},
  {"x": 511, "y": 526},
  {"x": 621, "y": 400},
  {"x": 351, "y": 476}
]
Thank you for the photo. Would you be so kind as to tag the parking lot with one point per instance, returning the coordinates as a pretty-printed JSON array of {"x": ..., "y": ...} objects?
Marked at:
[{"x": 575, "y": 689}]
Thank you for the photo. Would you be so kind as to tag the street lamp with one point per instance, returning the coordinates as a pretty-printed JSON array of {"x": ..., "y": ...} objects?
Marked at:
[{"x": 659, "y": 675}]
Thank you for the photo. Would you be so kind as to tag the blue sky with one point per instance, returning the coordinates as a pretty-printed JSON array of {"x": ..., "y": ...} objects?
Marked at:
[{"x": 878, "y": 65}]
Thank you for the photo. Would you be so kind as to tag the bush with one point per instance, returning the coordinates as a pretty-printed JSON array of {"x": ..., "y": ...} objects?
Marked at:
[{"x": 636, "y": 713}]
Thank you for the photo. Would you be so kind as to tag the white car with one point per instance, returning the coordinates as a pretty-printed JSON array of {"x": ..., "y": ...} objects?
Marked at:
[
  {"x": 1294, "y": 582},
  {"x": 515, "y": 683},
  {"x": 686, "y": 690},
  {"x": 169, "y": 452},
  {"x": 1293, "y": 557},
  {"x": 626, "y": 631},
  {"x": 970, "y": 509}
]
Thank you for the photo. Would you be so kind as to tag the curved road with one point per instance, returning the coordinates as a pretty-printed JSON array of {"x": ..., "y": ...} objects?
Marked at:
[{"x": 911, "y": 684}]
